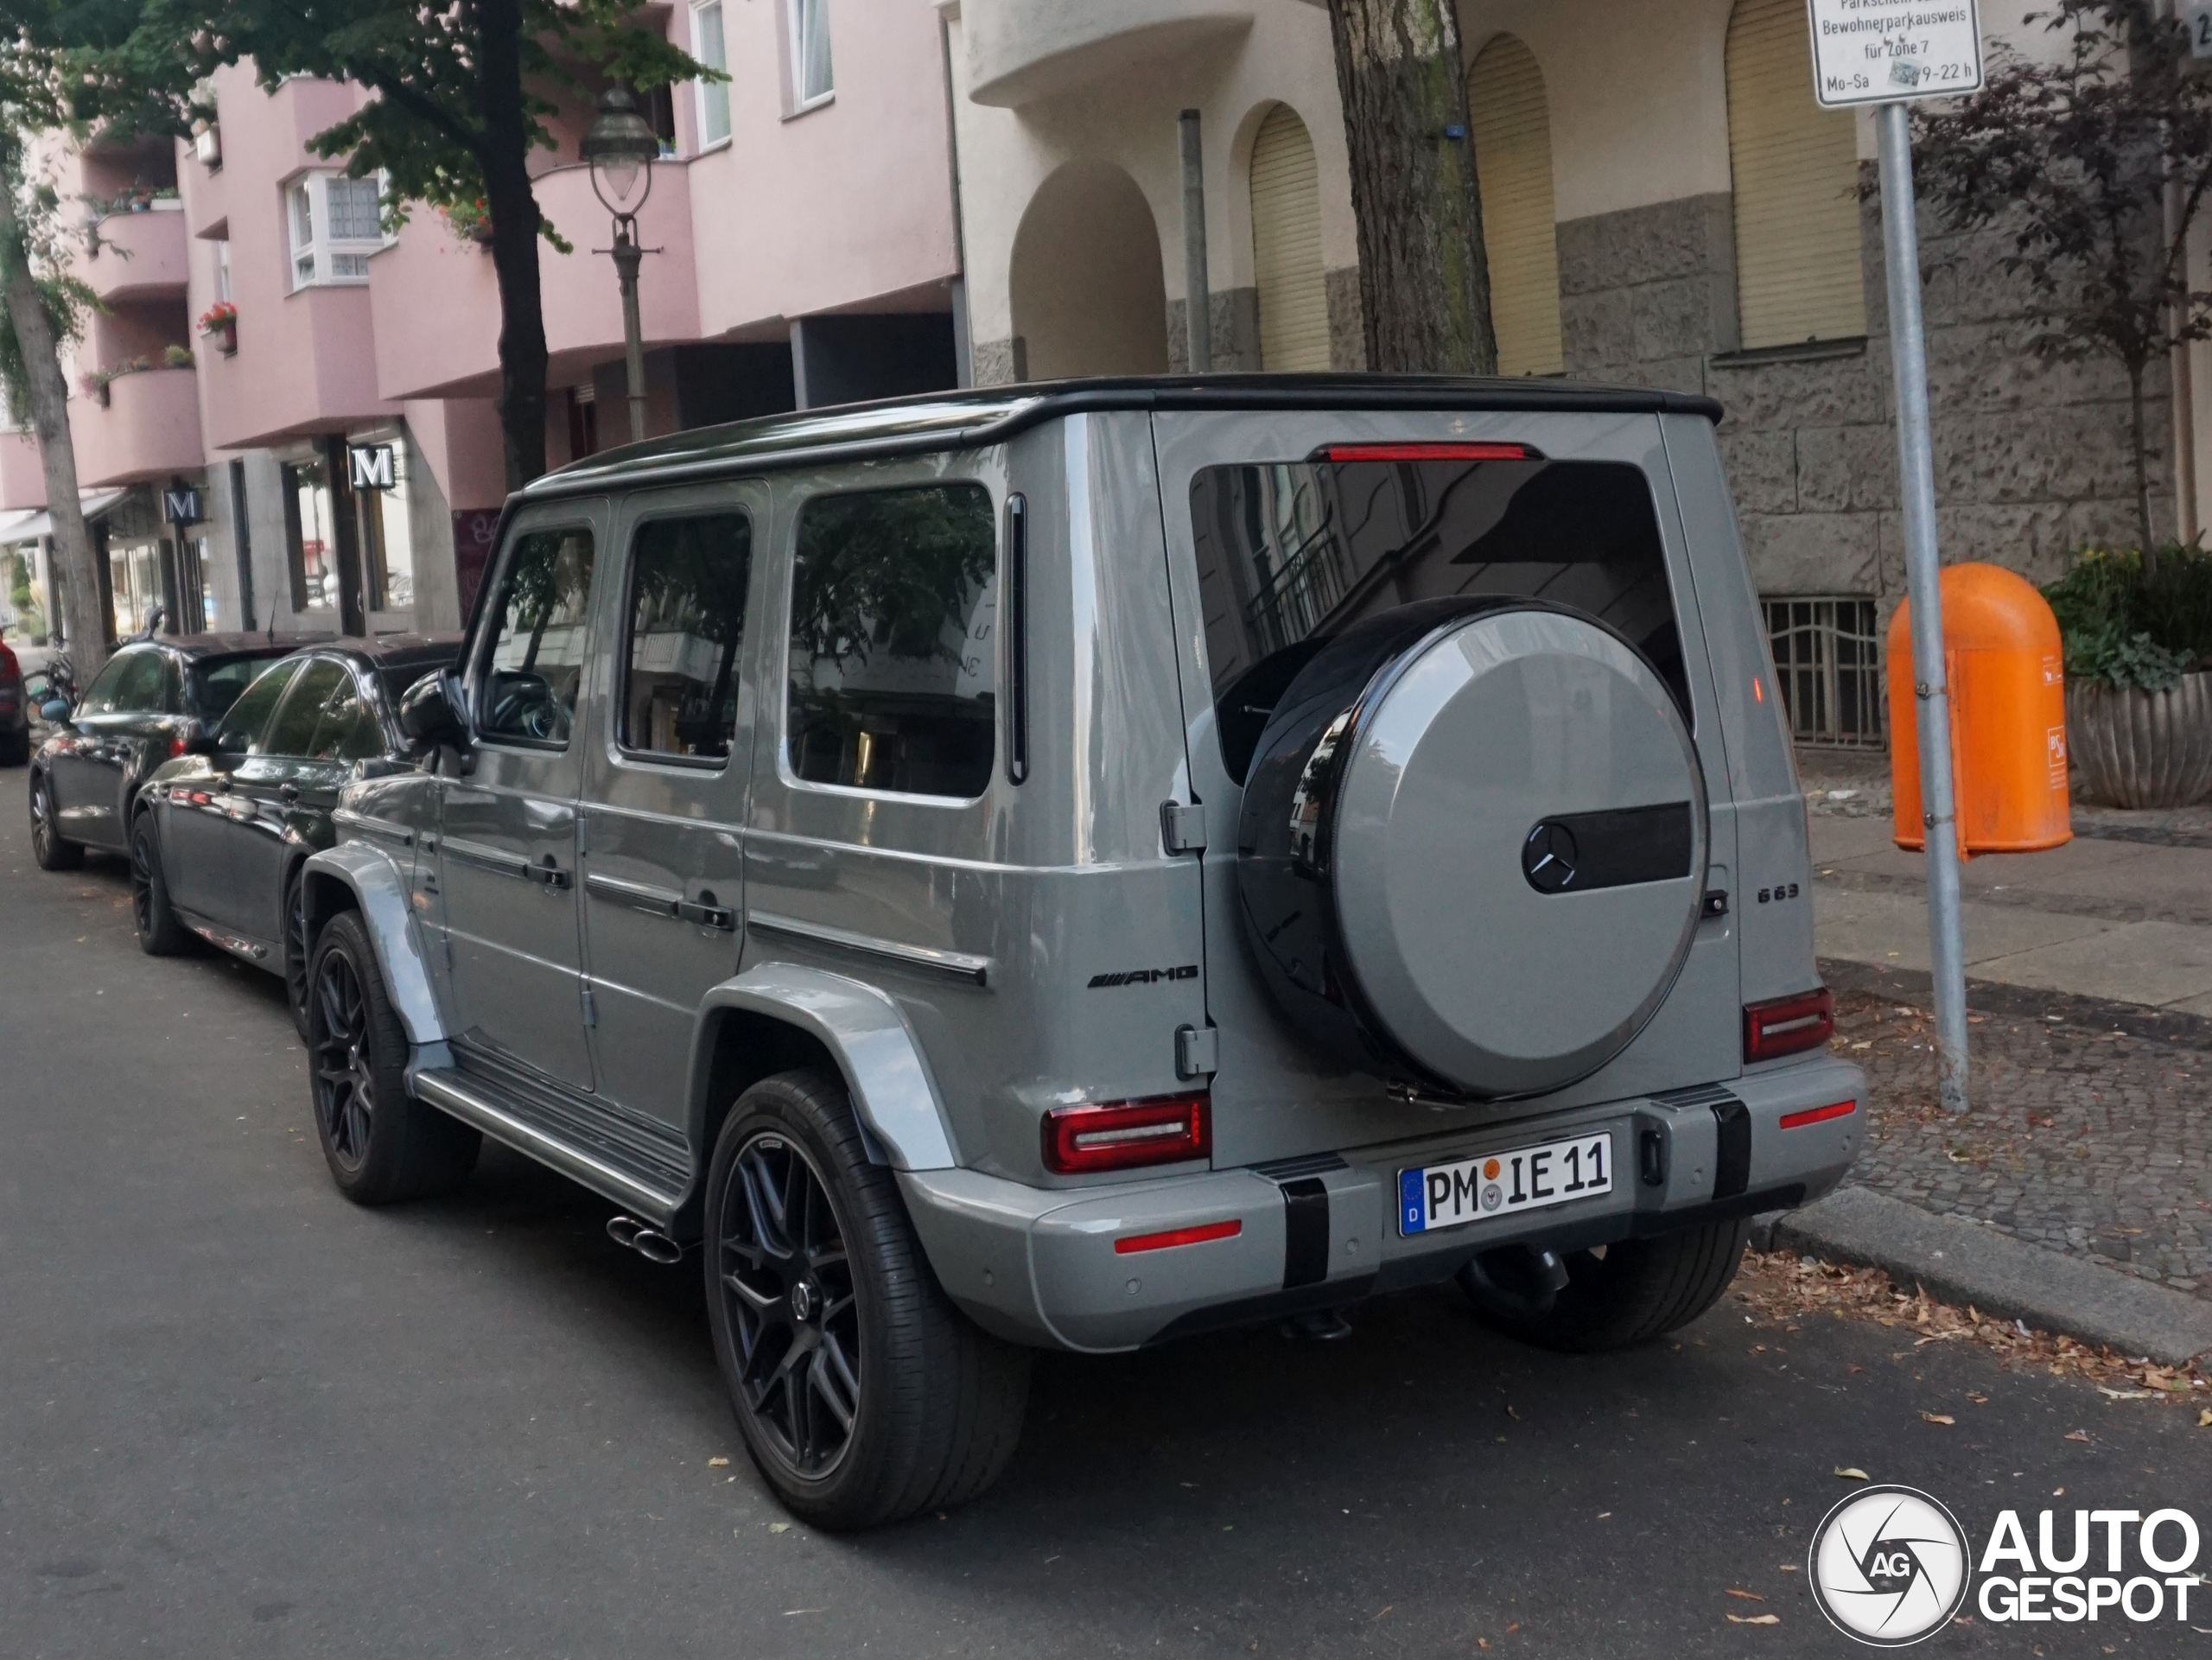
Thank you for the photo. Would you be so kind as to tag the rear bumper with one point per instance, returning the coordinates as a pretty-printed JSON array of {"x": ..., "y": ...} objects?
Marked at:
[{"x": 1039, "y": 1266}]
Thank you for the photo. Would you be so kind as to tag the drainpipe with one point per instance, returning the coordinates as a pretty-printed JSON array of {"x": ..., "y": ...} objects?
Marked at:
[
  {"x": 964, "y": 343},
  {"x": 1198, "y": 303},
  {"x": 2183, "y": 389}
]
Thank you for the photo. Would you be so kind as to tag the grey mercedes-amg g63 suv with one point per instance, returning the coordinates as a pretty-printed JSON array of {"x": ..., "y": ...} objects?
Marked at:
[{"x": 1074, "y": 865}]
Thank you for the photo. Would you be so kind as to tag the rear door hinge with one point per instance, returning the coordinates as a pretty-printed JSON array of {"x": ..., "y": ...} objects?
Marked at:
[
  {"x": 1183, "y": 829},
  {"x": 1198, "y": 1051},
  {"x": 591, "y": 1007}
]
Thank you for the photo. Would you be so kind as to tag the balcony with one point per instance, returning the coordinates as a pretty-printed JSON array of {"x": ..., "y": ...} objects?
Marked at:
[
  {"x": 142, "y": 255},
  {"x": 22, "y": 483},
  {"x": 1020, "y": 51},
  {"x": 148, "y": 430},
  {"x": 435, "y": 300}
]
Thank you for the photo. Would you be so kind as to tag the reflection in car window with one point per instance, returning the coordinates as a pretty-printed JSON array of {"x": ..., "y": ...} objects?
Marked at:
[
  {"x": 537, "y": 656},
  {"x": 687, "y": 628},
  {"x": 293, "y": 731},
  {"x": 894, "y": 654},
  {"x": 253, "y": 708},
  {"x": 141, "y": 685},
  {"x": 100, "y": 696},
  {"x": 221, "y": 683},
  {"x": 1292, "y": 552},
  {"x": 349, "y": 730}
]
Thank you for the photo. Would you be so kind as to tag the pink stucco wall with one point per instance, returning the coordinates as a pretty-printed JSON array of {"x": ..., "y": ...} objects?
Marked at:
[
  {"x": 148, "y": 430},
  {"x": 23, "y": 482}
]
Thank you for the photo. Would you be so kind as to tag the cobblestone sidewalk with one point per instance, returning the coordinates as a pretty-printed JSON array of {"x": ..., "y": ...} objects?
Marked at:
[{"x": 2088, "y": 1132}]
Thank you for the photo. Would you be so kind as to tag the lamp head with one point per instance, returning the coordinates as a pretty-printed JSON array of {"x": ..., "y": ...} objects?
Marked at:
[{"x": 621, "y": 149}]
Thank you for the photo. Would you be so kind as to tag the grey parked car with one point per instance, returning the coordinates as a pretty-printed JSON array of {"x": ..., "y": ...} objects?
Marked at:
[{"x": 1075, "y": 865}]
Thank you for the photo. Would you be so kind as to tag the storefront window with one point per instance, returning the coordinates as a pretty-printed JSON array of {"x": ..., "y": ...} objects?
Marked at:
[
  {"x": 385, "y": 541},
  {"x": 135, "y": 572},
  {"x": 314, "y": 541}
]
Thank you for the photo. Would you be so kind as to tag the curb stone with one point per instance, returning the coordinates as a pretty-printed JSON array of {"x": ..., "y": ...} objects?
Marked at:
[{"x": 1963, "y": 1261}]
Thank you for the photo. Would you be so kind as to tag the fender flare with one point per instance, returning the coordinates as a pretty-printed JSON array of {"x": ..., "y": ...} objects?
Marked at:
[
  {"x": 865, "y": 1033},
  {"x": 379, "y": 891}
]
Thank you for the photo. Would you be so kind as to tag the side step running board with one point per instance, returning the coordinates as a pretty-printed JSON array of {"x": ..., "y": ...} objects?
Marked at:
[{"x": 449, "y": 1092}]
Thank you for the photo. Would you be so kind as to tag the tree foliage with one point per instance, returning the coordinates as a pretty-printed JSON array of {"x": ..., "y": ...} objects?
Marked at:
[{"x": 2096, "y": 164}]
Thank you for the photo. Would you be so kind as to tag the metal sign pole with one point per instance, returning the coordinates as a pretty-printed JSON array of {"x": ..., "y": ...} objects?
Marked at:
[{"x": 1931, "y": 684}]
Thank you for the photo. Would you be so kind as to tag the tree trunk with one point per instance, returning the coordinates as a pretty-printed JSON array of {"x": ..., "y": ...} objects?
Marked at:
[
  {"x": 512, "y": 204},
  {"x": 83, "y": 619},
  {"x": 1424, "y": 282},
  {"x": 2139, "y": 442}
]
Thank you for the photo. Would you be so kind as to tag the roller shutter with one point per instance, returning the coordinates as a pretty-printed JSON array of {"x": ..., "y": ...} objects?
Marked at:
[
  {"x": 1796, "y": 174},
  {"x": 1287, "y": 245},
  {"x": 1512, "y": 130}
]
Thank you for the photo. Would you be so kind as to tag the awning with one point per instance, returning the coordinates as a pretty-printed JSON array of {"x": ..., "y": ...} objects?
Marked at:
[{"x": 38, "y": 522}]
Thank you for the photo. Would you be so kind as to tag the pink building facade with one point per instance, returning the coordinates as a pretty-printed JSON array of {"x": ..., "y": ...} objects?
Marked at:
[{"x": 285, "y": 416}]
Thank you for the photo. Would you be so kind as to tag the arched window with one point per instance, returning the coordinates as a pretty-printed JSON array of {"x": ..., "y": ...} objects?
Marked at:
[
  {"x": 1512, "y": 130},
  {"x": 1287, "y": 245},
  {"x": 1796, "y": 176}
]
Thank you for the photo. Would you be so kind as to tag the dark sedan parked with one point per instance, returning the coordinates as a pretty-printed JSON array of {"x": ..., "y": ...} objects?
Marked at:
[
  {"x": 218, "y": 835},
  {"x": 148, "y": 704}
]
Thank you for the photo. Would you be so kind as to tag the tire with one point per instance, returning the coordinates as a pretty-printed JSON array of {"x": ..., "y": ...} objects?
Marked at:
[
  {"x": 299, "y": 948},
  {"x": 873, "y": 1398},
  {"x": 1638, "y": 1290},
  {"x": 48, "y": 846},
  {"x": 160, "y": 933},
  {"x": 15, "y": 748},
  {"x": 381, "y": 1144}
]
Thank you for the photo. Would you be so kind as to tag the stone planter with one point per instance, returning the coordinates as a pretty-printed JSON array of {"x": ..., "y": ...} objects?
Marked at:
[{"x": 2142, "y": 748}]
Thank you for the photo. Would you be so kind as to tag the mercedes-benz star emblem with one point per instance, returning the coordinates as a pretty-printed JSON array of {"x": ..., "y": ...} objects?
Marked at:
[
  {"x": 1889, "y": 1566},
  {"x": 1547, "y": 858},
  {"x": 802, "y": 1301}
]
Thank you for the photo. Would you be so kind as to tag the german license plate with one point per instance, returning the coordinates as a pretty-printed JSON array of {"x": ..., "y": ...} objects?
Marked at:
[{"x": 1497, "y": 1184}]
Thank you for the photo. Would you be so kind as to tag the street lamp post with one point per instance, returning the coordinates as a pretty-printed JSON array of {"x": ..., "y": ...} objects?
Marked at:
[{"x": 621, "y": 150}]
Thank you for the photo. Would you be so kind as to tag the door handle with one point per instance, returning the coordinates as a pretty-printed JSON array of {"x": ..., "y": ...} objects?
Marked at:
[
  {"x": 707, "y": 916},
  {"x": 548, "y": 873}
]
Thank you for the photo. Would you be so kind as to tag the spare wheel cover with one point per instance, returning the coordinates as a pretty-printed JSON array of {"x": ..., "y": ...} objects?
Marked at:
[{"x": 1514, "y": 848}]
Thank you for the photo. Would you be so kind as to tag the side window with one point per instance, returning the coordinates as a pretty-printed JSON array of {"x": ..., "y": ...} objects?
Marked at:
[
  {"x": 893, "y": 658},
  {"x": 146, "y": 677},
  {"x": 251, "y": 710},
  {"x": 529, "y": 689},
  {"x": 219, "y": 686},
  {"x": 292, "y": 731},
  {"x": 99, "y": 697},
  {"x": 687, "y": 632},
  {"x": 171, "y": 700},
  {"x": 349, "y": 730}
]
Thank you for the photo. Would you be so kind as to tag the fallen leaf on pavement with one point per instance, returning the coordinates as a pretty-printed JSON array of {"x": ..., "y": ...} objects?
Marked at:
[
  {"x": 1851, "y": 1474},
  {"x": 2125, "y": 1394},
  {"x": 779, "y": 1527},
  {"x": 2204, "y": 1419},
  {"x": 2077, "y": 1435},
  {"x": 1938, "y": 1418},
  {"x": 1755, "y": 1619},
  {"x": 1748, "y": 1596},
  {"x": 716, "y": 1464}
]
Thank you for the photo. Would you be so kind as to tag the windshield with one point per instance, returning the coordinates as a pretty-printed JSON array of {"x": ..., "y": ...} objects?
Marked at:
[{"x": 1291, "y": 552}]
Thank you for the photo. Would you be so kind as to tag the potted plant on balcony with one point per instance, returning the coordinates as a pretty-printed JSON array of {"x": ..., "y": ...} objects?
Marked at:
[
  {"x": 219, "y": 323},
  {"x": 469, "y": 220},
  {"x": 2138, "y": 674},
  {"x": 94, "y": 385}
]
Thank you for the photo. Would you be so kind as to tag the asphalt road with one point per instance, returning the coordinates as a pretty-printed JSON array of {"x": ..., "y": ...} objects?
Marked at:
[{"x": 240, "y": 1417}]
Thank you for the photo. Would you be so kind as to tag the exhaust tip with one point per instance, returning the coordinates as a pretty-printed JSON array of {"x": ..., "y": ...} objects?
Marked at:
[{"x": 646, "y": 1240}]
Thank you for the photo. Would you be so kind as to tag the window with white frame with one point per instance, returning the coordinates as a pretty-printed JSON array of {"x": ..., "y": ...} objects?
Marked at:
[
  {"x": 336, "y": 224},
  {"x": 811, "y": 79},
  {"x": 714, "y": 95}
]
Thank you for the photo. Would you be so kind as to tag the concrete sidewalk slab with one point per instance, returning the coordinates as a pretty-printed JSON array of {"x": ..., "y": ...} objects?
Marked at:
[
  {"x": 1891, "y": 929},
  {"x": 2161, "y": 964},
  {"x": 1967, "y": 1262},
  {"x": 1834, "y": 839}
]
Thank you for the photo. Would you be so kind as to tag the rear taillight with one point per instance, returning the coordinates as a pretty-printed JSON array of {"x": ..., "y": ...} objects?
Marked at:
[
  {"x": 176, "y": 747},
  {"x": 1818, "y": 1114},
  {"x": 1469, "y": 452},
  {"x": 1116, "y": 1135},
  {"x": 1788, "y": 1026}
]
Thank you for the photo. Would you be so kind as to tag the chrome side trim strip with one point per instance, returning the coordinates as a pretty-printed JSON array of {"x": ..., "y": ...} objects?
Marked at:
[
  {"x": 639, "y": 896},
  {"x": 952, "y": 965},
  {"x": 491, "y": 858},
  {"x": 443, "y": 1092},
  {"x": 368, "y": 824}
]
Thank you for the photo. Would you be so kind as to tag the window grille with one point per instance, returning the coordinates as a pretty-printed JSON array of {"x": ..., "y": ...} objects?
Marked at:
[{"x": 1827, "y": 658}]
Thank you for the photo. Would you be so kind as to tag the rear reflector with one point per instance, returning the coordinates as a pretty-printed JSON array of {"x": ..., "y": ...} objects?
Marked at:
[
  {"x": 1788, "y": 1026},
  {"x": 1115, "y": 1135},
  {"x": 1818, "y": 1114},
  {"x": 1431, "y": 453},
  {"x": 1197, "y": 1236}
]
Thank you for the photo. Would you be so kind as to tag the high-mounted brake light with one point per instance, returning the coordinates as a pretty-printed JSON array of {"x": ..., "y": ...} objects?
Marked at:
[
  {"x": 1467, "y": 452},
  {"x": 1196, "y": 1235},
  {"x": 1818, "y": 1114},
  {"x": 1788, "y": 1026},
  {"x": 1117, "y": 1134}
]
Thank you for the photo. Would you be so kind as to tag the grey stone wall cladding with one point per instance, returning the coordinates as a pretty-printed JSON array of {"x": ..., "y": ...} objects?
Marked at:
[
  {"x": 2032, "y": 459},
  {"x": 1234, "y": 313}
]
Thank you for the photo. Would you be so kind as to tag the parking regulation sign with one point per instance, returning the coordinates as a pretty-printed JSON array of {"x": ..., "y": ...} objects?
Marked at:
[{"x": 1881, "y": 51}]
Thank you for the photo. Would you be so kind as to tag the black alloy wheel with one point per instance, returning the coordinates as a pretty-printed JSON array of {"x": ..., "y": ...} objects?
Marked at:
[
  {"x": 299, "y": 946},
  {"x": 160, "y": 933},
  {"x": 787, "y": 1288},
  {"x": 46, "y": 845},
  {"x": 345, "y": 1075}
]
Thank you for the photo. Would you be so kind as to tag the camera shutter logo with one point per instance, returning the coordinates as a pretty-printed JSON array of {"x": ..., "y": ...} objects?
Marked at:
[{"x": 1888, "y": 1567}]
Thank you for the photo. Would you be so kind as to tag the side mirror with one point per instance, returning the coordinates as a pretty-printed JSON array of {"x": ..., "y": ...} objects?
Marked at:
[
  {"x": 54, "y": 710},
  {"x": 430, "y": 713}
]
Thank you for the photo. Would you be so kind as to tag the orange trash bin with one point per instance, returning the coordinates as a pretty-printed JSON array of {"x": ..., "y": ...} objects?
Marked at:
[{"x": 2006, "y": 669}]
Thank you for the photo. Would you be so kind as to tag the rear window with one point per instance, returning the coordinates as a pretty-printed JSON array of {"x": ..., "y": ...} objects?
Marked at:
[
  {"x": 221, "y": 683},
  {"x": 1291, "y": 552}
]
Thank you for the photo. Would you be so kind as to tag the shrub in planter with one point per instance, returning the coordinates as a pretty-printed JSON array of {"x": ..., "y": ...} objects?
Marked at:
[{"x": 2138, "y": 675}]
